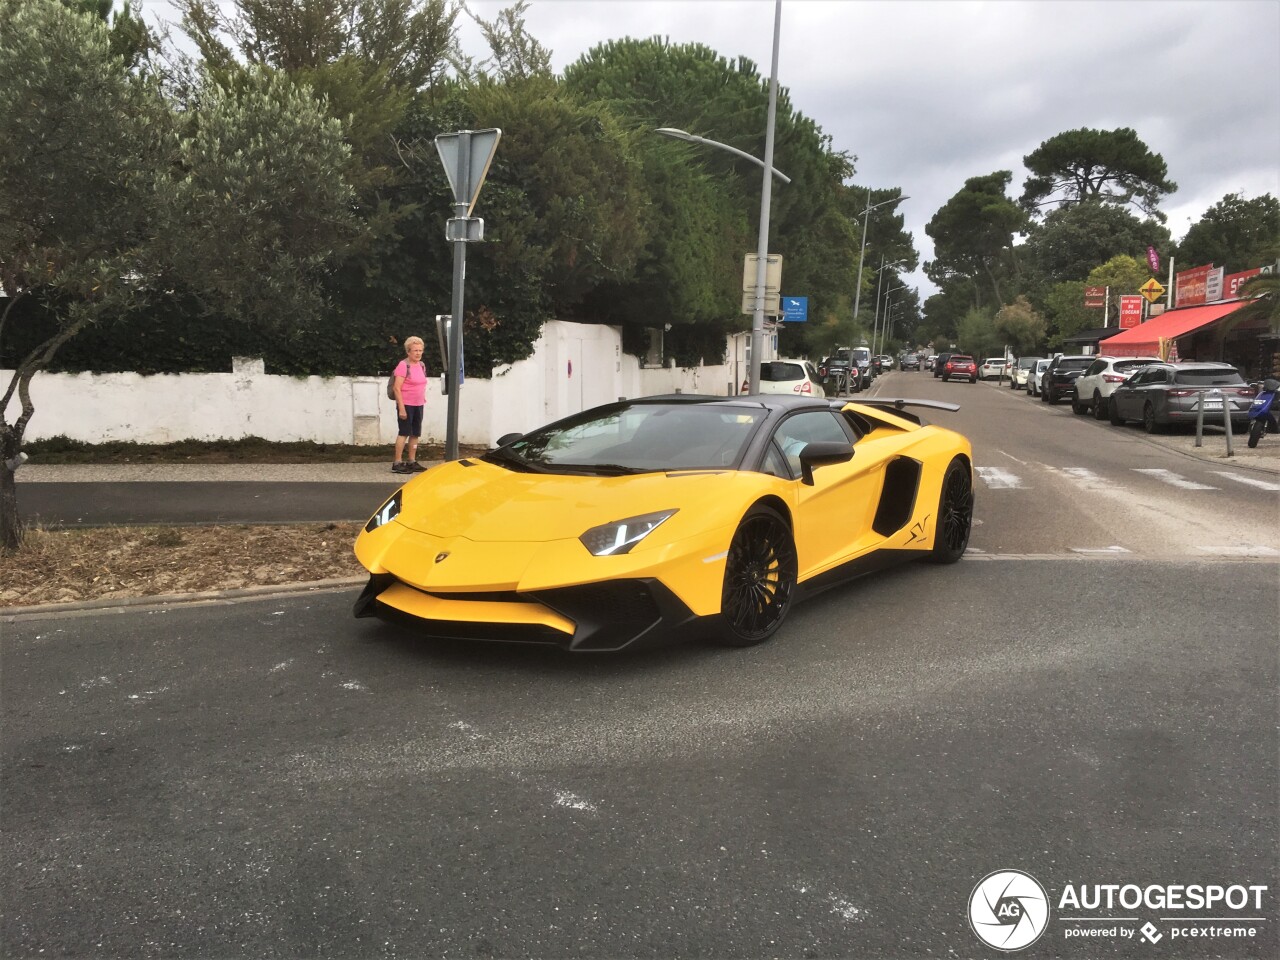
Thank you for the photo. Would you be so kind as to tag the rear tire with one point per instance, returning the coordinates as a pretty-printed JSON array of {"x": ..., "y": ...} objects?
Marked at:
[
  {"x": 1099, "y": 406},
  {"x": 1149, "y": 419},
  {"x": 759, "y": 579},
  {"x": 955, "y": 514},
  {"x": 1078, "y": 408}
]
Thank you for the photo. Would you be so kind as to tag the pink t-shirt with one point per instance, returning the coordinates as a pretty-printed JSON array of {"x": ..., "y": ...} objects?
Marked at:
[{"x": 414, "y": 389}]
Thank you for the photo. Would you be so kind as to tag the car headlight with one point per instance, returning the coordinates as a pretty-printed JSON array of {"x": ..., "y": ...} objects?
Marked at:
[
  {"x": 610, "y": 539},
  {"x": 386, "y": 513}
]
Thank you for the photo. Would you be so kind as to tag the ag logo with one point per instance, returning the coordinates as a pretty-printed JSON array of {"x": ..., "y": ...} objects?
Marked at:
[{"x": 1008, "y": 910}]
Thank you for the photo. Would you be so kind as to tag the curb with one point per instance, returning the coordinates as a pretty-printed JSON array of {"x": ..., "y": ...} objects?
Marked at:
[{"x": 127, "y": 604}]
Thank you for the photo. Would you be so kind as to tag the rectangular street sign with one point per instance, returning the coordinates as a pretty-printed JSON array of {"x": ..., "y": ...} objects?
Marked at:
[{"x": 795, "y": 309}]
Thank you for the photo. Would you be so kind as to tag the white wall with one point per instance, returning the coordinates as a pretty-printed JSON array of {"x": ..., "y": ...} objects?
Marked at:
[{"x": 573, "y": 366}]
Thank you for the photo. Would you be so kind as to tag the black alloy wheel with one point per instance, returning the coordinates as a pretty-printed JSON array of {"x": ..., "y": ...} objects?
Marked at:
[
  {"x": 955, "y": 514},
  {"x": 759, "y": 578},
  {"x": 1099, "y": 406}
]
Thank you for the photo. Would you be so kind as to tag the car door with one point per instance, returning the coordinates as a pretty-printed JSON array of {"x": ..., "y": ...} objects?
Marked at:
[
  {"x": 1124, "y": 399},
  {"x": 829, "y": 516}
]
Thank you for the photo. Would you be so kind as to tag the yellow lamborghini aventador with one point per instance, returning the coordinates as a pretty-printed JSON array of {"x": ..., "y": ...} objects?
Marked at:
[{"x": 667, "y": 515}]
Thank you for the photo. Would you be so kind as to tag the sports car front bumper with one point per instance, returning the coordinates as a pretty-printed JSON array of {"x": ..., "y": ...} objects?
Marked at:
[{"x": 609, "y": 615}]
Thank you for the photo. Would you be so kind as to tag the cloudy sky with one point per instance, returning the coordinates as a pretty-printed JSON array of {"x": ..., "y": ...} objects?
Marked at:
[{"x": 927, "y": 93}]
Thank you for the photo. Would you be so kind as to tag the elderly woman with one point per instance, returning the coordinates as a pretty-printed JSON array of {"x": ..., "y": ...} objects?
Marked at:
[{"x": 410, "y": 389}]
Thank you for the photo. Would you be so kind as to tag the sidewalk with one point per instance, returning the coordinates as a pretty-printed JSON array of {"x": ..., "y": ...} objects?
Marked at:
[{"x": 211, "y": 472}]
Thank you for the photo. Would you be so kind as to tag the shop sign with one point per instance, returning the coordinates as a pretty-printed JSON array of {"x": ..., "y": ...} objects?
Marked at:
[
  {"x": 1130, "y": 311},
  {"x": 1190, "y": 286},
  {"x": 1095, "y": 297},
  {"x": 1232, "y": 283}
]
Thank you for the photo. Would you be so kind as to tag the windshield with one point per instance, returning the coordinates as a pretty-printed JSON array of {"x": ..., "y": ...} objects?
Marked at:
[
  {"x": 636, "y": 438},
  {"x": 862, "y": 354},
  {"x": 1075, "y": 363}
]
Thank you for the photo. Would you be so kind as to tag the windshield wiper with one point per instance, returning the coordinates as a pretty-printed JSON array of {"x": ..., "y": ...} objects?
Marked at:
[
  {"x": 504, "y": 457},
  {"x": 601, "y": 469}
]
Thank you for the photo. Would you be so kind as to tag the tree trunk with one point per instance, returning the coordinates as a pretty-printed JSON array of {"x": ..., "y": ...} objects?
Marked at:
[{"x": 10, "y": 523}]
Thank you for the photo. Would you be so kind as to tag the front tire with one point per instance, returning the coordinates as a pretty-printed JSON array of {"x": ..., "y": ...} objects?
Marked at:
[
  {"x": 759, "y": 578},
  {"x": 1256, "y": 429},
  {"x": 955, "y": 514}
]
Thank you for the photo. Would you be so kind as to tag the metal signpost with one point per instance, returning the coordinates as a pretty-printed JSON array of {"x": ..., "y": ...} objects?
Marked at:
[{"x": 466, "y": 156}]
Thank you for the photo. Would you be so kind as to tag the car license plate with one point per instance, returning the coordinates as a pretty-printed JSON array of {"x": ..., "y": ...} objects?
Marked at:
[{"x": 1213, "y": 404}]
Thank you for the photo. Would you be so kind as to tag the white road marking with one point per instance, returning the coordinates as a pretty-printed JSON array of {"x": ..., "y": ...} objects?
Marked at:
[
  {"x": 1012, "y": 457},
  {"x": 353, "y": 685},
  {"x": 1173, "y": 479},
  {"x": 1251, "y": 481},
  {"x": 1246, "y": 551},
  {"x": 1082, "y": 475},
  {"x": 998, "y": 479},
  {"x": 1112, "y": 549}
]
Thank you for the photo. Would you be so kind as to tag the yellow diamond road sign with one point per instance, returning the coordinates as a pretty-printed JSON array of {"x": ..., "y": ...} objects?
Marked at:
[{"x": 1152, "y": 290}]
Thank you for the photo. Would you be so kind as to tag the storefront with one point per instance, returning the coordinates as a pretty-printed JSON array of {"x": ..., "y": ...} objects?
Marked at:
[{"x": 1210, "y": 332}]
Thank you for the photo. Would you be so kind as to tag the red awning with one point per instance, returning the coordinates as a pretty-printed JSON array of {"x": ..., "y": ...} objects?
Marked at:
[{"x": 1144, "y": 339}]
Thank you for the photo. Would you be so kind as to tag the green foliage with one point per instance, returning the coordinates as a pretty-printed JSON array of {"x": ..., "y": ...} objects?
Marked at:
[
  {"x": 1066, "y": 314},
  {"x": 1111, "y": 166},
  {"x": 973, "y": 237},
  {"x": 1234, "y": 233},
  {"x": 1264, "y": 290},
  {"x": 516, "y": 55},
  {"x": 1075, "y": 238},
  {"x": 1123, "y": 275},
  {"x": 1020, "y": 326},
  {"x": 977, "y": 334}
]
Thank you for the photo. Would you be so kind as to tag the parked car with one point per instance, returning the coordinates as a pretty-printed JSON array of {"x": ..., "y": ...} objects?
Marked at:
[
  {"x": 1096, "y": 384},
  {"x": 993, "y": 368},
  {"x": 789, "y": 376},
  {"x": 939, "y": 362},
  {"x": 1161, "y": 394},
  {"x": 960, "y": 367},
  {"x": 1020, "y": 371},
  {"x": 833, "y": 369},
  {"x": 1058, "y": 380},
  {"x": 1035, "y": 376},
  {"x": 886, "y": 363}
]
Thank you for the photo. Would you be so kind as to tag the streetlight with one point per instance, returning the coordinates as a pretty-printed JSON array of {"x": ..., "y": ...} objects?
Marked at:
[
  {"x": 862, "y": 252},
  {"x": 886, "y": 313},
  {"x": 766, "y": 197},
  {"x": 678, "y": 134},
  {"x": 875, "y": 323}
]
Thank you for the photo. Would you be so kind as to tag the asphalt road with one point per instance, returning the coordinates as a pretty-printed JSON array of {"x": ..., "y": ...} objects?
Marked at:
[
  {"x": 275, "y": 779},
  {"x": 1090, "y": 697}
]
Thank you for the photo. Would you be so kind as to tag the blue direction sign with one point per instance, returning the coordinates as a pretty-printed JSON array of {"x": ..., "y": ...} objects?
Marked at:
[{"x": 795, "y": 309}]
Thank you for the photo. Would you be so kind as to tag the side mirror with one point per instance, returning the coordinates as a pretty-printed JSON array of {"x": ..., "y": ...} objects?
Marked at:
[
  {"x": 820, "y": 453},
  {"x": 509, "y": 438}
]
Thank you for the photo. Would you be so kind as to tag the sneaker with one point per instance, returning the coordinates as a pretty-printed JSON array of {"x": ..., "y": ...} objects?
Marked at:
[
  {"x": 399, "y": 467},
  {"x": 413, "y": 466}
]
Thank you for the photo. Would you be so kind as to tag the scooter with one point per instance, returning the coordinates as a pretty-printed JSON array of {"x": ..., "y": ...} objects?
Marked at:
[{"x": 1261, "y": 419}]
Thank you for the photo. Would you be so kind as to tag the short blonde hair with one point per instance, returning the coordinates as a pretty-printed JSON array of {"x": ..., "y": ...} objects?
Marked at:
[{"x": 410, "y": 341}]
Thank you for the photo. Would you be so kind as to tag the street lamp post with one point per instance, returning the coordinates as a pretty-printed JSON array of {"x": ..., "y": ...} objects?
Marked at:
[
  {"x": 875, "y": 323},
  {"x": 766, "y": 198},
  {"x": 862, "y": 251},
  {"x": 886, "y": 311}
]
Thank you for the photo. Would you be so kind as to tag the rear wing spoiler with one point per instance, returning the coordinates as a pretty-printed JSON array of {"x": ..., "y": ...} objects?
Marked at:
[{"x": 897, "y": 405}]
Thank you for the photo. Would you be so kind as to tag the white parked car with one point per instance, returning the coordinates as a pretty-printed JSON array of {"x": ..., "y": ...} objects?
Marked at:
[
  {"x": 1020, "y": 372},
  {"x": 1033, "y": 377},
  {"x": 992, "y": 368},
  {"x": 1099, "y": 381},
  {"x": 798, "y": 377}
]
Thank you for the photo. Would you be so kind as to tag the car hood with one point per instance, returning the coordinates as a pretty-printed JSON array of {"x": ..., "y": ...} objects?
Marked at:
[{"x": 488, "y": 503}]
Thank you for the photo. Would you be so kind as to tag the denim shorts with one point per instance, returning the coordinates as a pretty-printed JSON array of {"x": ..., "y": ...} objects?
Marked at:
[{"x": 411, "y": 422}]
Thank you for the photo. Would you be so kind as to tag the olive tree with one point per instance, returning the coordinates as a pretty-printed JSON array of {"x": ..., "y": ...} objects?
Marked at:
[{"x": 110, "y": 193}]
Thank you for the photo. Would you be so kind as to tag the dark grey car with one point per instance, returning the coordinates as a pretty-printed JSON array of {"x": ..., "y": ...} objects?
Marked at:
[{"x": 1162, "y": 394}]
